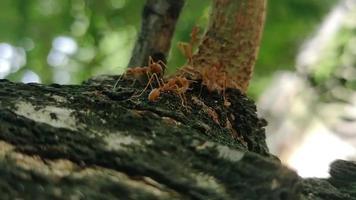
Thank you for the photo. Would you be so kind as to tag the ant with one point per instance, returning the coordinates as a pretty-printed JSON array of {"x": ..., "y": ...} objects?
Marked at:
[
  {"x": 187, "y": 48},
  {"x": 178, "y": 85},
  {"x": 216, "y": 78},
  {"x": 153, "y": 69}
]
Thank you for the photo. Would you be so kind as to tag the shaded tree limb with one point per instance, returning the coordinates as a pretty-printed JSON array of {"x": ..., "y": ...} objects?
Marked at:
[
  {"x": 89, "y": 142},
  {"x": 159, "y": 18}
]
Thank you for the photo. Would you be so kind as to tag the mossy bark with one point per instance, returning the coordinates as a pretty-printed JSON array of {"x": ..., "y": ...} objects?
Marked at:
[{"x": 89, "y": 142}]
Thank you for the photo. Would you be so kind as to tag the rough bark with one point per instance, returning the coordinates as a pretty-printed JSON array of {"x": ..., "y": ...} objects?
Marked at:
[
  {"x": 232, "y": 39},
  {"x": 89, "y": 142},
  {"x": 92, "y": 142},
  {"x": 159, "y": 18}
]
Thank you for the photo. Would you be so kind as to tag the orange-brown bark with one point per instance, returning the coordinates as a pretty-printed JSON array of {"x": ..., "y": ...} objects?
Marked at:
[{"x": 231, "y": 43}]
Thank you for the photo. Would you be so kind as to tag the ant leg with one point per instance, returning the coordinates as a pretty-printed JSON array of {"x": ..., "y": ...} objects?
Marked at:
[
  {"x": 224, "y": 88},
  {"x": 186, "y": 50},
  {"x": 160, "y": 62},
  {"x": 226, "y": 102},
  {"x": 117, "y": 82},
  {"x": 144, "y": 89},
  {"x": 180, "y": 94},
  {"x": 149, "y": 83},
  {"x": 181, "y": 99},
  {"x": 150, "y": 60},
  {"x": 159, "y": 80},
  {"x": 148, "y": 78},
  {"x": 190, "y": 71},
  {"x": 201, "y": 90},
  {"x": 184, "y": 98},
  {"x": 133, "y": 82}
]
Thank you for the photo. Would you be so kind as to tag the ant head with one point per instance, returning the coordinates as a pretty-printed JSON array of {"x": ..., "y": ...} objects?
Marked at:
[{"x": 157, "y": 63}]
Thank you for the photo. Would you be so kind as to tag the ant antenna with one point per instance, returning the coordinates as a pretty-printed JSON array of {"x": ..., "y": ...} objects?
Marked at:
[{"x": 117, "y": 82}]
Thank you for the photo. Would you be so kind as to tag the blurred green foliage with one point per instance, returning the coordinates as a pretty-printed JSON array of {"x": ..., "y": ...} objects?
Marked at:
[
  {"x": 333, "y": 75},
  {"x": 289, "y": 23},
  {"x": 105, "y": 31}
]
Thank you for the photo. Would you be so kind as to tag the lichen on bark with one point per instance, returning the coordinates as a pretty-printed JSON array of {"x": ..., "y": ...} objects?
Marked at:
[{"x": 129, "y": 148}]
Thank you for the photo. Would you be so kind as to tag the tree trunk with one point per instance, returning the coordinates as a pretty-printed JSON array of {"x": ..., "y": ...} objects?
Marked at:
[
  {"x": 89, "y": 142},
  {"x": 233, "y": 39}
]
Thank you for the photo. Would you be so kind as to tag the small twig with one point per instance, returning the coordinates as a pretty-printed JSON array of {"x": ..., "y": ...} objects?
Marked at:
[{"x": 159, "y": 18}]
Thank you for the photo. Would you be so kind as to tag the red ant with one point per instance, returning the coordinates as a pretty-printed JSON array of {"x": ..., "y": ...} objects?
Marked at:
[
  {"x": 153, "y": 68},
  {"x": 187, "y": 48},
  {"x": 178, "y": 85},
  {"x": 216, "y": 78}
]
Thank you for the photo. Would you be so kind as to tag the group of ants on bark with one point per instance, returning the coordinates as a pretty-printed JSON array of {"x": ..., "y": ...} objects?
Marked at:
[
  {"x": 214, "y": 78},
  {"x": 246, "y": 19}
]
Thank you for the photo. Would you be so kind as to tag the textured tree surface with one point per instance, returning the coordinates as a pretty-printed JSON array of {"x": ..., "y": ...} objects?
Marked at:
[
  {"x": 92, "y": 142},
  {"x": 89, "y": 142},
  {"x": 232, "y": 40}
]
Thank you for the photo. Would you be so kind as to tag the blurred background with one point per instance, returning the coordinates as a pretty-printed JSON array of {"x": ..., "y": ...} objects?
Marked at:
[{"x": 304, "y": 81}]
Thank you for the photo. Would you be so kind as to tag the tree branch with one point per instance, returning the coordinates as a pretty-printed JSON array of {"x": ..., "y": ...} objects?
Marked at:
[
  {"x": 159, "y": 18},
  {"x": 89, "y": 142},
  {"x": 232, "y": 39}
]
